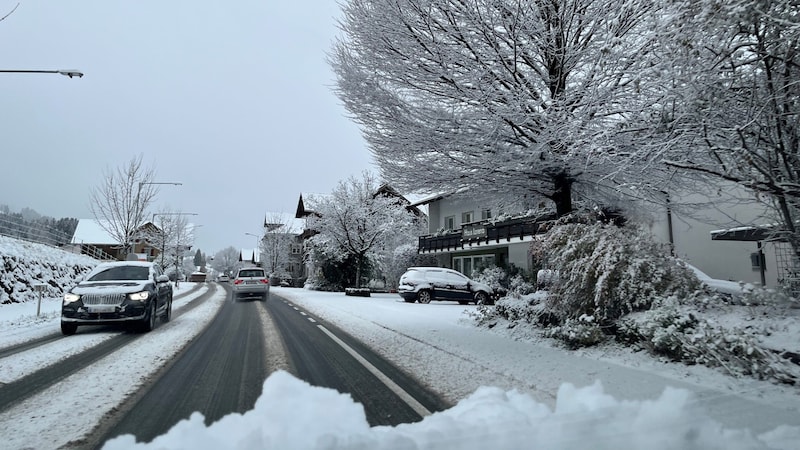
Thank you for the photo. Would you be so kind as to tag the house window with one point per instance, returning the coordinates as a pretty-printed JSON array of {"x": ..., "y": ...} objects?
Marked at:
[
  {"x": 757, "y": 260},
  {"x": 486, "y": 214},
  {"x": 450, "y": 223},
  {"x": 466, "y": 264},
  {"x": 296, "y": 249},
  {"x": 467, "y": 217}
]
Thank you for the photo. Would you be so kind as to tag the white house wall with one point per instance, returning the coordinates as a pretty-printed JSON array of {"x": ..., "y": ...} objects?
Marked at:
[{"x": 691, "y": 230}]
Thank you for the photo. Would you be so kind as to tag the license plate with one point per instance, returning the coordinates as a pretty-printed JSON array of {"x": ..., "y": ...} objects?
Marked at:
[
  {"x": 102, "y": 309},
  {"x": 251, "y": 282}
]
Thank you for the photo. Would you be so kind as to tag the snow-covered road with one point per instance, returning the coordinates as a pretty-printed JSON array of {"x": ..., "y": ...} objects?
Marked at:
[{"x": 68, "y": 410}]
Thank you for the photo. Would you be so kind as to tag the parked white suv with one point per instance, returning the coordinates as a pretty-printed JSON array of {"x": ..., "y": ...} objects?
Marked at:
[{"x": 424, "y": 284}]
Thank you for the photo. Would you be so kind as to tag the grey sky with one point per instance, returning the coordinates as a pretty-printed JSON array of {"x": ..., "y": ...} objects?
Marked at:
[{"x": 232, "y": 99}]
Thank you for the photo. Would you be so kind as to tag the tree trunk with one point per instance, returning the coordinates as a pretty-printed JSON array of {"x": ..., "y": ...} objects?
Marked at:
[
  {"x": 562, "y": 193},
  {"x": 358, "y": 270}
]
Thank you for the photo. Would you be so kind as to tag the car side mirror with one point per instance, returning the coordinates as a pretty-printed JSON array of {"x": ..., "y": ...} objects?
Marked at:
[{"x": 162, "y": 279}]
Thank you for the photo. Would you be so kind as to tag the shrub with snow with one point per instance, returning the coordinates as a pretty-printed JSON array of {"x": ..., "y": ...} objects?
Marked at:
[
  {"x": 606, "y": 271},
  {"x": 577, "y": 333},
  {"x": 505, "y": 282},
  {"x": 673, "y": 330}
]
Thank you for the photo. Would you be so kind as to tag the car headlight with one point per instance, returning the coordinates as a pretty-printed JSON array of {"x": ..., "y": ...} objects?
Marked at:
[
  {"x": 69, "y": 297},
  {"x": 139, "y": 296}
]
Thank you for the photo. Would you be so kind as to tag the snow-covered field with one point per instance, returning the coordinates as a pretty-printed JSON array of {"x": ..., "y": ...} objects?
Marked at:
[{"x": 510, "y": 388}]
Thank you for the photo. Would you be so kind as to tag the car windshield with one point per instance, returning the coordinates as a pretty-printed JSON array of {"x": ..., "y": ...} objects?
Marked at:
[{"x": 117, "y": 273}]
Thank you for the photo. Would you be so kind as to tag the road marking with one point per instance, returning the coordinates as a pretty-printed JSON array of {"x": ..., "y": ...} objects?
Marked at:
[
  {"x": 312, "y": 319},
  {"x": 405, "y": 396},
  {"x": 302, "y": 313}
]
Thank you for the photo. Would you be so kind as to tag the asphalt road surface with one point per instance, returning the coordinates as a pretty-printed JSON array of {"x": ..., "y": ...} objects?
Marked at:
[{"x": 223, "y": 369}]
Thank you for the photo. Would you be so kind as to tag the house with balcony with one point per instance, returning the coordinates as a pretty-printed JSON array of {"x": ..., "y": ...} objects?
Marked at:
[
  {"x": 466, "y": 234},
  {"x": 716, "y": 233}
]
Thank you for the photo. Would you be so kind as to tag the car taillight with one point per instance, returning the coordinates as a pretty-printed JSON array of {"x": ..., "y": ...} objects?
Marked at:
[
  {"x": 264, "y": 280},
  {"x": 237, "y": 281}
]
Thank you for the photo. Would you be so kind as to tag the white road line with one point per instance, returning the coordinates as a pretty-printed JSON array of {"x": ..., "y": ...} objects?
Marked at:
[
  {"x": 302, "y": 313},
  {"x": 312, "y": 319},
  {"x": 405, "y": 396}
]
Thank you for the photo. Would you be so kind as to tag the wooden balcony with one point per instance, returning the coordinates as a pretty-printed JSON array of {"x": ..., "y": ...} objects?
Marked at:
[{"x": 485, "y": 233}]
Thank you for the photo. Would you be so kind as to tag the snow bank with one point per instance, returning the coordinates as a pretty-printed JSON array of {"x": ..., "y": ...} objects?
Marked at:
[
  {"x": 293, "y": 414},
  {"x": 26, "y": 264}
]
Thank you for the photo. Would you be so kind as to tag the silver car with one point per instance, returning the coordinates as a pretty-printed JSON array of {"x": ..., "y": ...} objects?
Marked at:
[{"x": 251, "y": 282}]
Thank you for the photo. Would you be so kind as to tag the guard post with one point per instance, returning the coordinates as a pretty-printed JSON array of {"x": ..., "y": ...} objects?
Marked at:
[{"x": 39, "y": 287}]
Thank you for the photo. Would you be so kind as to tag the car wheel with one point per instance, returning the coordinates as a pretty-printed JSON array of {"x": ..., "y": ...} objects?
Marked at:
[
  {"x": 168, "y": 313},
  {"x": 424, "y": 296},
  {"x": 149, "y": 321},
  {"x": 68, "y": 328},
  {"x": 481, "y": 298}
]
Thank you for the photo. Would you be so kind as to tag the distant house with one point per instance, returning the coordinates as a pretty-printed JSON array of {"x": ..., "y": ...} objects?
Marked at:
[
  {"x": 90, "y": 238},
  {"x": 283, "y": 246}
]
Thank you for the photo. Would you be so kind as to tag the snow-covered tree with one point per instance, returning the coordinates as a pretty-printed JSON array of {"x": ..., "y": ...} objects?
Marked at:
[
  {"x": 226, "y": 260},
  {"x": 734, "y": 111},
  {"x": 357, "y": 221},
  {"x": 508, "y": 97},
  {"x": 175, "y": 236},
  {"x": 120, "y": 203}
]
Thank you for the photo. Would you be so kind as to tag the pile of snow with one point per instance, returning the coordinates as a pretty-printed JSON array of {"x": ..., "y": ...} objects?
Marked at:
[
  {"x": 293, "y": 414},
  {"x": 26, "y": 264}
]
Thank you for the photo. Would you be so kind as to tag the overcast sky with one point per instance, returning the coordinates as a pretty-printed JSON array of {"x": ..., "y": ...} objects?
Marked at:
[{"x": 232, "y": 99}]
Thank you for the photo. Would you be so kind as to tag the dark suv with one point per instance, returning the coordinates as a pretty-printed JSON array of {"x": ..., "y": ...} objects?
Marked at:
[
  {"x": 424, "y": 284},
  {"x": 118, "y": 292}
]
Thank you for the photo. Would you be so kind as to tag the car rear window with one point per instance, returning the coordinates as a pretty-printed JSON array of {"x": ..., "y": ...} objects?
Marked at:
[{"x": 250, "y": 273}]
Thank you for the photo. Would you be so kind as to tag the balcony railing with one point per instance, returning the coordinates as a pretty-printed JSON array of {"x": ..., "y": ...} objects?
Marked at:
[{"x": 484, "y": 233}]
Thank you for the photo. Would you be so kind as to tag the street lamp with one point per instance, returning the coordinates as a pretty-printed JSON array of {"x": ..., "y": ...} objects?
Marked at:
[
  {"x": 66, "y": 73},
  {"x": 258, "y": 246}
]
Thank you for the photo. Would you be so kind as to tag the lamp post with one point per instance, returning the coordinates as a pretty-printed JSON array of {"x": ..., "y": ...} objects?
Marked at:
[
  {"x": 66, "y": 73},
  {"x": 258, "y": 247}
]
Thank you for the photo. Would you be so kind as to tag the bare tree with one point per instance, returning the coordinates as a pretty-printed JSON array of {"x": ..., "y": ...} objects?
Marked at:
[
  {"x": 226, "y": 260},
  {"x": 120, "y": 204},
  {"x": 507, "y": 97}
]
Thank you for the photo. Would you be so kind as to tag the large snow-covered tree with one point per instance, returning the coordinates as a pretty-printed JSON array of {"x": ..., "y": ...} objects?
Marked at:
[
  {"x": 120, "y": 203},
  {"x": 357, "y": 222},
  {"x": 734, "y": 111},
  {"x": 508, "y": 97}
]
